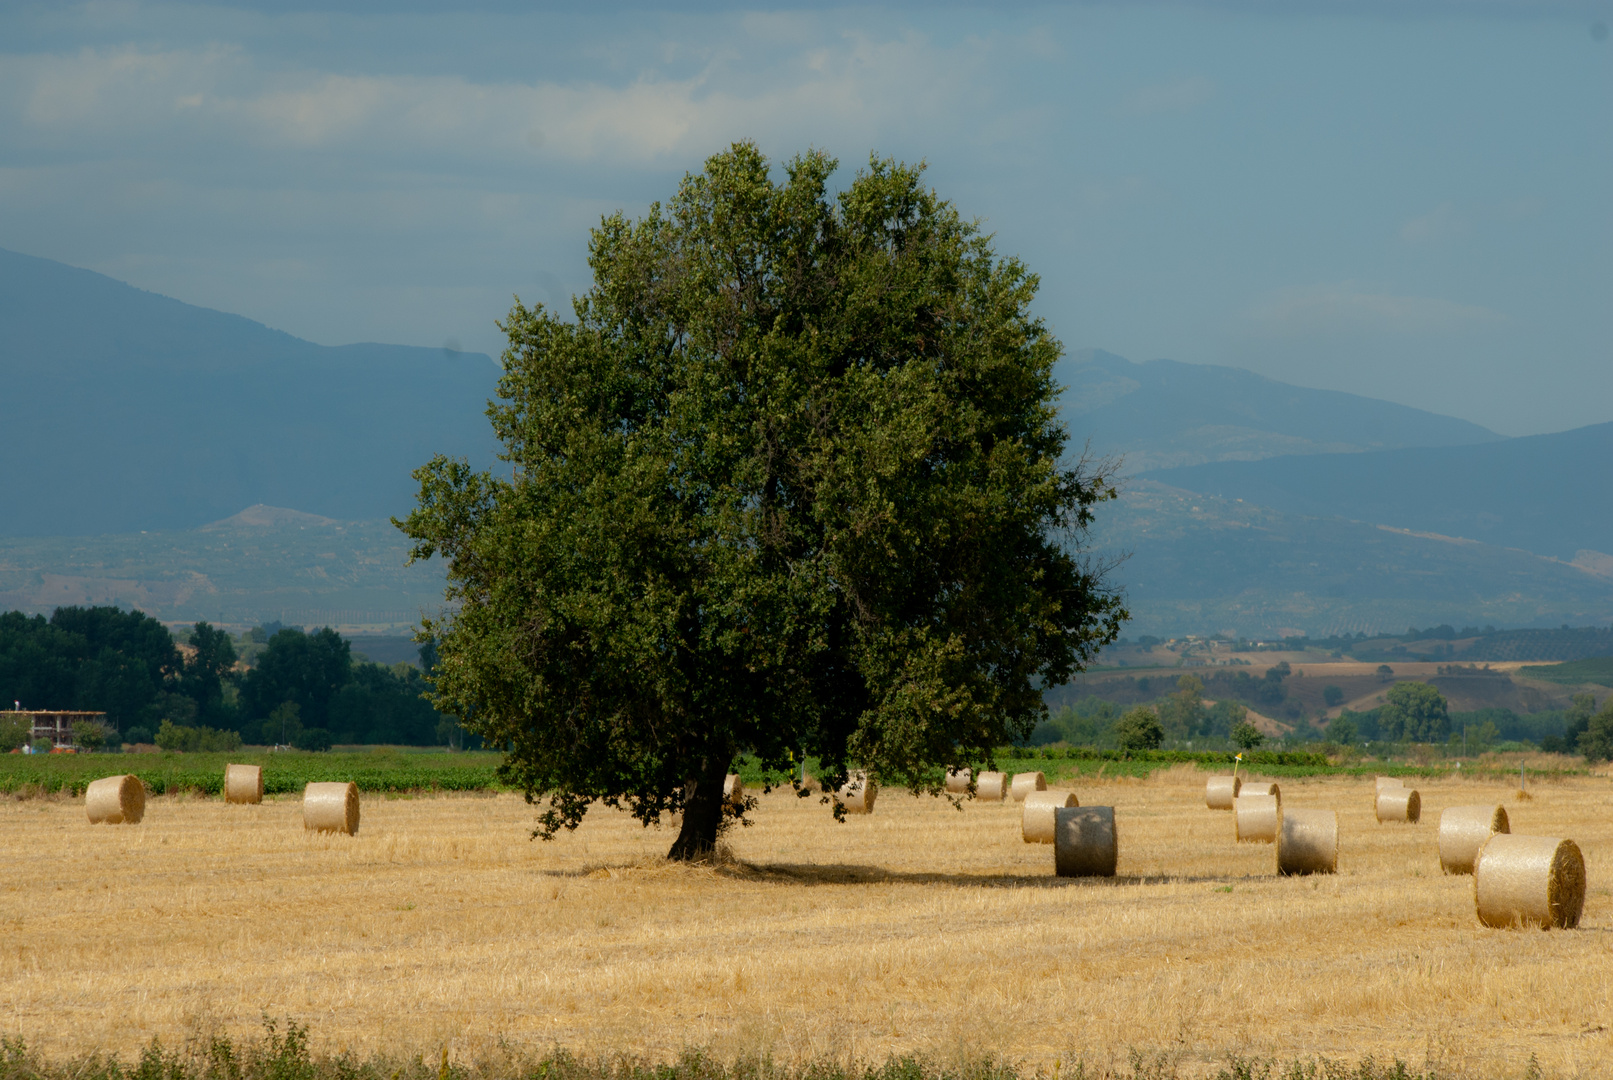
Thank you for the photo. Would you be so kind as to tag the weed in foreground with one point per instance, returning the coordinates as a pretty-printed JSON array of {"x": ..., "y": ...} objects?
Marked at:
[{"x": 282, "y": 1053}]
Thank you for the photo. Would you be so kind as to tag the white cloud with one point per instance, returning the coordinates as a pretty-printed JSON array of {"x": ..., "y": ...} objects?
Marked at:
[
  {"x": 1344, "y": 307},
  {"x": 1181, "y": 96},
  {"x": 854, "y": 88}
]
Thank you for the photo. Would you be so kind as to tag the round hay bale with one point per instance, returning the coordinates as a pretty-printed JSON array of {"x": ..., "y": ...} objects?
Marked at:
[
  {"x": 992, "y": 786},
  {"x": 1036, "y": 822},
  {"x": 1529, "y": 881},
  {"x": 1257, "y": 818},
  {"x": 1399, "y": 804},
  {"x": 1219, "y": 791},
  {"x": 1259, "y": 787},
  {"x": 1308, "y": 842},
  {"x": 857, "y": 794},
  {"x": 733, "y": 789},
  {"x": 1388, "y": 782},
  {"x": 1025, "y": 783},
  {"x": 958, "y": 781},
  {"x": 243, "y": 783},
  {"x": 330, "y": 807},
  {"x": 1463, "y": 830},
  {"x": 115, "y": 800},
  {"x": 1084, "y": 841}
]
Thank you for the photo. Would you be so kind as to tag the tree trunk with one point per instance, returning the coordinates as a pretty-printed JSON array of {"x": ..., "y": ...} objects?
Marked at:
[{"x": 702, "y": 810}]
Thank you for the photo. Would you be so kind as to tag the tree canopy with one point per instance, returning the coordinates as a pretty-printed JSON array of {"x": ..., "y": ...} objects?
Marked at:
[
  {"x": 791, "y": 480},
  {"x": 1414, "y": 712}
]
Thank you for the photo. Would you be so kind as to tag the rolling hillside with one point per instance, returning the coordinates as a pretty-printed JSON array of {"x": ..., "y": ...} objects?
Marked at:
[
  {"x": 1549, "y": 494},
  {"x": 1163, "y": 414},
  {"x": 1204, "y": 564},
  {"x": 125, "y": 410}
]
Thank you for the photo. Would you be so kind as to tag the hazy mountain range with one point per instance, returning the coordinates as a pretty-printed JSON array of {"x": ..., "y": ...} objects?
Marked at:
[
  {"x": 134, "y": 420},
  {"x": 125, "y": 410},
  {"x": 1164, "y": 413}
]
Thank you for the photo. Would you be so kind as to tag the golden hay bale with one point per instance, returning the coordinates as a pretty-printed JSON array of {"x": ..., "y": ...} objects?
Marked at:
[
  {"x": 1308, "y": 842},
  {"x": 330, "y": 807},
  {"x": 992, "y": 786},
  {"x": 733, "y": 789},
  {"x": 1257, "y": 818},
  {"x": 1529, "y": 881},
  {"x": 1463, "y": 830},
  {"x": 1259, "y": 787},
  {"x": 1036, "y": 821},
  {"x": 115, "y": 800},
  {"x": 1399, "y": 804},
  {"x": 1025, "y": 783},
  {"x": 858, "y": 793},
  {"x": 243, "y": 783},
  {"x": 1219, "y": 791},
  {"x": 1084, "y": 841},
  {"x": 1388, "y": 782},
  {"x": 958, "y": 781}
]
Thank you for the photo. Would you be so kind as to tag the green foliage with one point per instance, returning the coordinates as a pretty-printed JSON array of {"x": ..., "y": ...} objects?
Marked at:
[
  {"x": 286, "y": 1055},
  {"x": 1598, "y": 670},
  {"x": 1342, "y": 730},
  {"x": 1139, "y": 729},
  {"x": 307, "y": 670},
  {"x": 1182, "y": 713},
  {"x": 15, "y": 730},
  {"x": 1248, "y": 736},
  {"x": 1597, "y": 741},
  {"x": 90, "y": 734},
  {"x": 284, "y": 772},
  {"x": 791, "y": 482},
  {"x": 1578, "y": 719},
  {"x": 1333, "y": 695},
  {"x": 97, "y": 659},
  {"x": 172, "y": 736},
  {"x": 1414, "y": 712},
  {"x": 316, "y": 739},
  {"x": 207, "y": 672}
]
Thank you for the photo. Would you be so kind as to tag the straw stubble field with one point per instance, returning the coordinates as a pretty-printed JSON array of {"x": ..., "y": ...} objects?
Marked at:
[{"x": 917, "y": 929}]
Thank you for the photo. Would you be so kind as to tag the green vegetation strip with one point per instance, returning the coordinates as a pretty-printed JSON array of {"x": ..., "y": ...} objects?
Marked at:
[
  {"x": 285, "y": 1055},
  {"x": 283, "y": 772},
  {"x": 1598, "y": 671}
]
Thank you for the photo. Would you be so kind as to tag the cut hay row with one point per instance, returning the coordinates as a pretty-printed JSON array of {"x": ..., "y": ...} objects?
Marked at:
[
  {"x": 1519, "y": 881},
  {"x": 1536, "y": 881},
  {"x": 1256, "y": 818},
  {"x": 1398, "y": 804},
  {"x": 1463, "y": 831},
  {"x": 1036, "y": 819},
  {"x": 115, "y": 800},
  {"x": 1025, "y": 783},
  {"x": 1084, "y": 841},
  {"x": 858, "y": 793},
  {"x": 1219, "y": 791},
  {"x": 326, "y": 807}
]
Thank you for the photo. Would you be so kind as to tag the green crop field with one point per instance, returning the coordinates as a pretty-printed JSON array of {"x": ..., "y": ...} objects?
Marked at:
[
  {"x": 381, "y": 769},
  {"x": 1597, "y": 670}
]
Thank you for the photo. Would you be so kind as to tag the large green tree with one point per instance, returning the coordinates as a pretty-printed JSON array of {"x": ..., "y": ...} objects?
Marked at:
[{"x": 791, "y": 480}]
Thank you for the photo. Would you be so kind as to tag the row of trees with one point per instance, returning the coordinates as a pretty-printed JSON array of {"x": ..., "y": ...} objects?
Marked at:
[{"x": 304, "y": 689}]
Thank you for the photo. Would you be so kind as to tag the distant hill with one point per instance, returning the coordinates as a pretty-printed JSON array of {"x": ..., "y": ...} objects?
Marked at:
[
  {"x": 124, "y": 410},
  {"x": 263, "y": 565},
  {"x": 1205, "y": 564},
  {"x": 1164, "y": 414},
  {"x": 1548, "y": 494}
]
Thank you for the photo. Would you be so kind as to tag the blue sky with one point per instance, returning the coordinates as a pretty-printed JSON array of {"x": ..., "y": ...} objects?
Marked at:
[{"x": 1408, "y": 201}]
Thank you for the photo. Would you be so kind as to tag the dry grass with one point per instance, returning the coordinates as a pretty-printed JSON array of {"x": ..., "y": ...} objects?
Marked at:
[{"x": 442, "y": 924}]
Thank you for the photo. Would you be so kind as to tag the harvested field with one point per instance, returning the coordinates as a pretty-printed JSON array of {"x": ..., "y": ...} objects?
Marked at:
[{"x": 440, "y": 923}]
